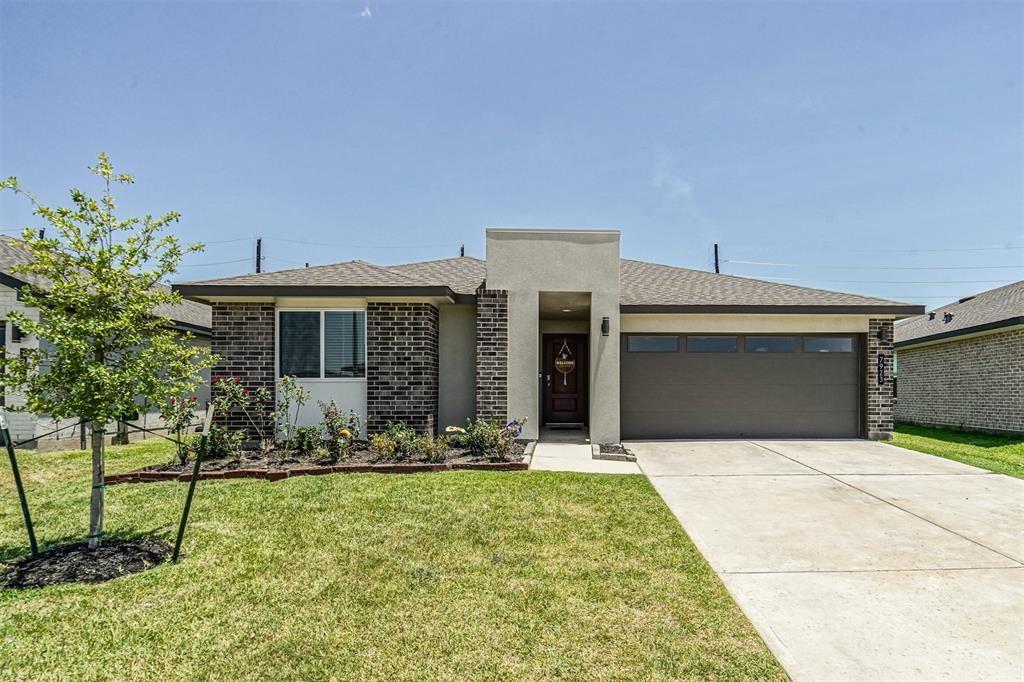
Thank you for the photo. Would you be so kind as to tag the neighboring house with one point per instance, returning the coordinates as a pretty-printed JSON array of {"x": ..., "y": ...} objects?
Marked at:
[
  {"x": 188, "y": 316},
  {"x": 962, "y": 365},
  {"x": 556, "y": 327}
]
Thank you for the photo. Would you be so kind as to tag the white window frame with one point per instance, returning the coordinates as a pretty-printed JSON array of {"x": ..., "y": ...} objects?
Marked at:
[{"x": 321, "y": 378}]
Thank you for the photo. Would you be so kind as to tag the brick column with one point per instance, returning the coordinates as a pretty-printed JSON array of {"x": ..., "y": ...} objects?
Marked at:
[
  {"x": 879, "y": 392},
  {"x": 243, "y": 340},
  {"x": 492, "y": 354},
  {"x": 401, "y": 365}
]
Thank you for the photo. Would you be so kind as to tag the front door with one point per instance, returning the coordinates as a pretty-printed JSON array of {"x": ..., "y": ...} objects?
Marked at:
[{"x": 565, "y": 379}]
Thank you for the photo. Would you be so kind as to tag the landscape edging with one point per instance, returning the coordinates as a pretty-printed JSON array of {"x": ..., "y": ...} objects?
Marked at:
[{"x": 143, "y": 476}]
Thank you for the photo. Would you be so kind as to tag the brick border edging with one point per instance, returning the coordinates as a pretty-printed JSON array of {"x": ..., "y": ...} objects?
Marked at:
[{"x": 140, "y": 476}]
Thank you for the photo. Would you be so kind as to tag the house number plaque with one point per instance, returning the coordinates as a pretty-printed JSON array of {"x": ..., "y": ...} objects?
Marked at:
[{"x": 881, "y": 369}]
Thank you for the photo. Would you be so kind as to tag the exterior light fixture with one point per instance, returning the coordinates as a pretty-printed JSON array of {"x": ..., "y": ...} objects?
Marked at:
[
  {"x": 605, "y": 326},
  {"x": 566, "y": 310}
]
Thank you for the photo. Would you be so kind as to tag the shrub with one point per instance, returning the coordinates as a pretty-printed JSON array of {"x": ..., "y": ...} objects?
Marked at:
[
  {"x": 220, "y": 442},
  {"x": 383, "y": 444},
  {"x": 490, "y": 438},
  {"x": 229, "y": 394},
  {"x": 307, "y": 439},
  {"x": 342, "y": 428},
  {"x": 402, "y": 435},
  {"x": 178, "y": 414},
  {"x": 289, "y": 395},
  {"x": 433, "y": 450}
]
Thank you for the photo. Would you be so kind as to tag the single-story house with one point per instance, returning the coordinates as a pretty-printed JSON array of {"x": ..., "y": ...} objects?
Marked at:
[
  {"x": 188, "y": 316},
  {"x": 555, "y": 326},
  {"x": 962, "y": 365}
]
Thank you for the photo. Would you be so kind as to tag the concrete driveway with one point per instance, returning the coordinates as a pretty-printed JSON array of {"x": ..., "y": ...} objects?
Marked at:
[{"x": 854, "y": 559}]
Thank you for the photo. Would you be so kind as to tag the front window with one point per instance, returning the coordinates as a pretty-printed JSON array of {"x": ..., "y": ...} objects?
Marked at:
[{"x": 317, "y": 344}]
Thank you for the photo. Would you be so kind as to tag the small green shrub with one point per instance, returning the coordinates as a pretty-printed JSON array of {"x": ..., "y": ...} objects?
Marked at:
[
  {"x": 220, "y": 443},
  {"x": 307, "y": 439},
  {"x": 432, "y": 449},
  {"x": 342, "y": 428},
  {"x": 383, "y": 444},
  {"x": 490, "y": 438}
]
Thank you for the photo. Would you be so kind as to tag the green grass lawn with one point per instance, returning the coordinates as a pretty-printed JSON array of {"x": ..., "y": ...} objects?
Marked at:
[
  {"x": 1003, "y": 454},
  {"x": 460, "y": 575}
]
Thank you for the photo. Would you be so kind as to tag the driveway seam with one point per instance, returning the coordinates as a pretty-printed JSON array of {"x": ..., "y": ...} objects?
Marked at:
[{"x": 890, "y": 503}]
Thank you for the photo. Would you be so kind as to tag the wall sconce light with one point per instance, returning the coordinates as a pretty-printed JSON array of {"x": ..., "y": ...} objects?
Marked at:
[{"x": 606, "y": 326}]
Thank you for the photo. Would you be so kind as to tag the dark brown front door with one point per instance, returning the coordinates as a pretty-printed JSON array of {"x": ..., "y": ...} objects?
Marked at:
[{"x": 565, "y": 379}]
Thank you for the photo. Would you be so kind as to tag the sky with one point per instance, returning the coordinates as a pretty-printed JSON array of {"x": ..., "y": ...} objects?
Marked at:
[{"x": 875, "y": 148}]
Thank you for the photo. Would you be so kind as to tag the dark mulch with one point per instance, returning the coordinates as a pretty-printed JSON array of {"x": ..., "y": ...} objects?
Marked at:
[
  {"x": 76, "y": 563},
  {"x": 614, "y": 450},
  {"x": 360, "y": 454}
]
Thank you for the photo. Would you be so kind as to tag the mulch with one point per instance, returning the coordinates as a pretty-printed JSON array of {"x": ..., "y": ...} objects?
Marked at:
[{"x": 76, "y": 563}]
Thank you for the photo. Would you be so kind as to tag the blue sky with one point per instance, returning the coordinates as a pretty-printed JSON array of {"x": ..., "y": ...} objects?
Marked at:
[{"x": 830, "y": 134}]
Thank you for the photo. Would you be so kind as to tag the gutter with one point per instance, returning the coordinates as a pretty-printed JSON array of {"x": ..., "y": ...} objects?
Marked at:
[
  {"x": 976, "y": 329},
  {"x": 883, "y": 309}
]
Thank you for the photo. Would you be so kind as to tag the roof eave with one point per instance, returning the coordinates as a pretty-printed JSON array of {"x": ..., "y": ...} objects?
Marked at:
[
  {"x": 203, "y": 292},
  {"x": 976, "y": 329},
  {"x": 881, "y": 309}
]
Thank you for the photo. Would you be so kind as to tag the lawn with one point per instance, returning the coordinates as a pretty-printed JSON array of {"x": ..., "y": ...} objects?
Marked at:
[
  {"x": 1002, "y": 454},
  {"x": 460, "y": 575}
]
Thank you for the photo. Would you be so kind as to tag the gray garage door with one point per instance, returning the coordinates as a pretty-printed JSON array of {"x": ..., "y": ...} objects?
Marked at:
[{"x": 729, "y": 386}]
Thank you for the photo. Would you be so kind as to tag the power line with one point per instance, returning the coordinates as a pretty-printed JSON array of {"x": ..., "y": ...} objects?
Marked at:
[
  {"x": 875, "y": 267},
  {"x": 223, "y": 262},
  {"x": 882, "y": 281},
  {"x": 363, "y": 246}
]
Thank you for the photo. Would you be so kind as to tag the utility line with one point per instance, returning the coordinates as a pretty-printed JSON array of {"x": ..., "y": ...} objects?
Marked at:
[
  {"x": 362, "y": 246},
  {"x": 223, "y": 262},
  {"x": 875, "y": 267}
]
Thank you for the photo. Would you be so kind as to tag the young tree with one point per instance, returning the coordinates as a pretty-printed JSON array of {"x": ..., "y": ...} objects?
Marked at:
[{"x": 99, "y": 294}]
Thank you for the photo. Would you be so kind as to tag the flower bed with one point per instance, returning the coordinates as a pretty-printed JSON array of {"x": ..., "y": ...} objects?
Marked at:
[{"x": 275, "y": 467}]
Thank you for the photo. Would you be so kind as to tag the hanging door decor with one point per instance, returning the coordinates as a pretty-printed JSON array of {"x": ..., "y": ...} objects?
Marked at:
[{"x": 564, "y": 362}]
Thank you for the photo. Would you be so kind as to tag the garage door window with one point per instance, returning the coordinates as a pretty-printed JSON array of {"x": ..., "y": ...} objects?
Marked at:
[
  {"x": 769, "y": 344},
  {"x": 828, "y": 344},
  {"x": 652, "y": 344},
  {"x": 711, "y": 344}
]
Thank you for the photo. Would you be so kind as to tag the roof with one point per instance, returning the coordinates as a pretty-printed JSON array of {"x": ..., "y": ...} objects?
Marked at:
[
  {"x": 645, "y": 287},
  {"x": 992, "y": 309},
  {"x": 192, "y": 315}
]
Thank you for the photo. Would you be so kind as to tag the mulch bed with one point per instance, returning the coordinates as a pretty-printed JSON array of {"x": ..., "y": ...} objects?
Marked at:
[
  {"x": 76, "y": 563},
  {"x": 277, "y": 466}
]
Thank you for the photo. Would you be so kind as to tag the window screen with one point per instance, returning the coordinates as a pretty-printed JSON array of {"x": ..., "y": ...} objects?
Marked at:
[
  {"x": 769, "y": 344},
  {"x": 652, "y": 344},
  {"x": 828, "y": 344},
  {"x": 711, "y": 344},
  {"x": 344, "y": 351},
  {"x": 300, "y": 344}
]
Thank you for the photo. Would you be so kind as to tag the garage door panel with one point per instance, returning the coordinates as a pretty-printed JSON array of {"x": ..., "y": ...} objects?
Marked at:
[
  {"x": 739, "y": 370},
  {"x": 723, "y": 395},
  {"x": 728, "y": 424},
  {"x": 673, "y": 397}
]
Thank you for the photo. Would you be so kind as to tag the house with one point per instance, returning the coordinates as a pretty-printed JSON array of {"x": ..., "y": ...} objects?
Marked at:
[
  {"x": 557, "y": 327},
  {"x": 962, "y": 365},
  {"x": 188, "y": 316}
]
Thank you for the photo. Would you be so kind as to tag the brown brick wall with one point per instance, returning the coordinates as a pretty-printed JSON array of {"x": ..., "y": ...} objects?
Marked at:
[
  {"x": 878, "y": 413},
  {"x": 974, "y": 384},
  {"x": 492, "y": 354},
  {"x": 243, "y": 339},
  {"x": 401, "y": 365}
]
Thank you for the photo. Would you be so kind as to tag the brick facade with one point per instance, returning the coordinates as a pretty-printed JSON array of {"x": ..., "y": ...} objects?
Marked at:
[
  {"x": 879, "y": 412},
  {"x": 401, "y": 365},
  {"x": 243, "y": 339},
  {"x": 492, "y": 354},
  {"x": 975, "y": 383}
]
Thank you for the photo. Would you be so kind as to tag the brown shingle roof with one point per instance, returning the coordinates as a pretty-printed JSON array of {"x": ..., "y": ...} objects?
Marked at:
[
  {"x": 1002, "y": 305},
  {"x": 642, "y": 285},
  {"x": 651, "y": 284},
  {"x": 12, "y": 253}
]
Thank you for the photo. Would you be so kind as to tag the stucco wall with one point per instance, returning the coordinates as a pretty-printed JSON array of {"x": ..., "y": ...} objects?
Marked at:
[
  {"x": 527, "y": 262},
  {"x": 457, "y": 365},
  {"x": 974, "y": 383}
]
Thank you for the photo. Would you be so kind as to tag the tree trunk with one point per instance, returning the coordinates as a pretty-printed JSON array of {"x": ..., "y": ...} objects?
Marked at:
[{"x": 96, "y": 503}]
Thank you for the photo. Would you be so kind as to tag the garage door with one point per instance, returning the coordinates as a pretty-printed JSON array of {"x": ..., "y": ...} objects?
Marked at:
[{"x": 746, "y": 386}]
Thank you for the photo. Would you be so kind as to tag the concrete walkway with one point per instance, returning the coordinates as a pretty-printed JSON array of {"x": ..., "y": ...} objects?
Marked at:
[
  {"x": 857, "y": 560},
  {"x": 576, "y": 457}
]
